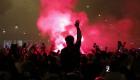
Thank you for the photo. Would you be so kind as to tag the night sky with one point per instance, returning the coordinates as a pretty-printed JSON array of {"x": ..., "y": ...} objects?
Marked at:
[{"x": 18, "y": 17}]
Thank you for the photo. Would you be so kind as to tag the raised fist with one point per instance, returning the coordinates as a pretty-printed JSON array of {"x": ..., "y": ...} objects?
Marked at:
[{"x": 77, "y": 23}]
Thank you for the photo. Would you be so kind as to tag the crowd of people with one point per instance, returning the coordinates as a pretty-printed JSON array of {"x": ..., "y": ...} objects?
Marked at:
[{"x": 34, "y": 63}]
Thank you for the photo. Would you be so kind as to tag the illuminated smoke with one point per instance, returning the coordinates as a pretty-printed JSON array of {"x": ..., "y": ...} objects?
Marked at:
[{"x": 57, "y": 19}]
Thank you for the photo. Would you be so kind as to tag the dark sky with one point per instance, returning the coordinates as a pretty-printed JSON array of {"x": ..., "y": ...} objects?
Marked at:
[
  {"x": 21, "y": 14},
  {"x": 18, "y": 17}
]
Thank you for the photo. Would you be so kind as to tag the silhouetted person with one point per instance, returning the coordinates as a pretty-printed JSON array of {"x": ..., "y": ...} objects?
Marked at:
[
  {"x": 70, "y": 55},
  {"x": 15, "y": 51},
  {"x": 97, "y": 48},
  {"x": 120, "y": 46}
]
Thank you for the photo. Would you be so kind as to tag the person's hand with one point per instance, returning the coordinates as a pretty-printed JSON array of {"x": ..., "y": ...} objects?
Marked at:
[{"x": 77, "y": 23}]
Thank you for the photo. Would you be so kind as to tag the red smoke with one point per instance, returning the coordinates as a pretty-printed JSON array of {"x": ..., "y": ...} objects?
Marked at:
[{"x": 57, "y": 19}]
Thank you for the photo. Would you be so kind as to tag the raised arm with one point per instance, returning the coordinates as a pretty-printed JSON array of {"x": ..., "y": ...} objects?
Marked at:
[{"x": 79, "y": 35}]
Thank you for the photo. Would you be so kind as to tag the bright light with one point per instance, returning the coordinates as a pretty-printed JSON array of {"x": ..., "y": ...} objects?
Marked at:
[
  {"x": 4, "y": 31},
  {"x": 99, "y": 15},
  {"x": 24, "y": 33},
  {"x": 16, "y": 27},
  {"x": 87, "y": 6},
  {"x": 57, "y": 18},
  {"x": 55, "y": 21}
]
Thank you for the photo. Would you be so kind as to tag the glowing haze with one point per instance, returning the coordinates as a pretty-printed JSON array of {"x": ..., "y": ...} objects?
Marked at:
[{"x": 57, "y": 19}]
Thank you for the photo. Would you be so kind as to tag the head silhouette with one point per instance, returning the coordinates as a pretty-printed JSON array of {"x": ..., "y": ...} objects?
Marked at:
[{"x": 69, "y": 40}]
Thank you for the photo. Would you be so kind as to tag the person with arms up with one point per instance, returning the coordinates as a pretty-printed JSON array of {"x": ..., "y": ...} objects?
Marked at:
[{"x": 70, "y": 55}]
